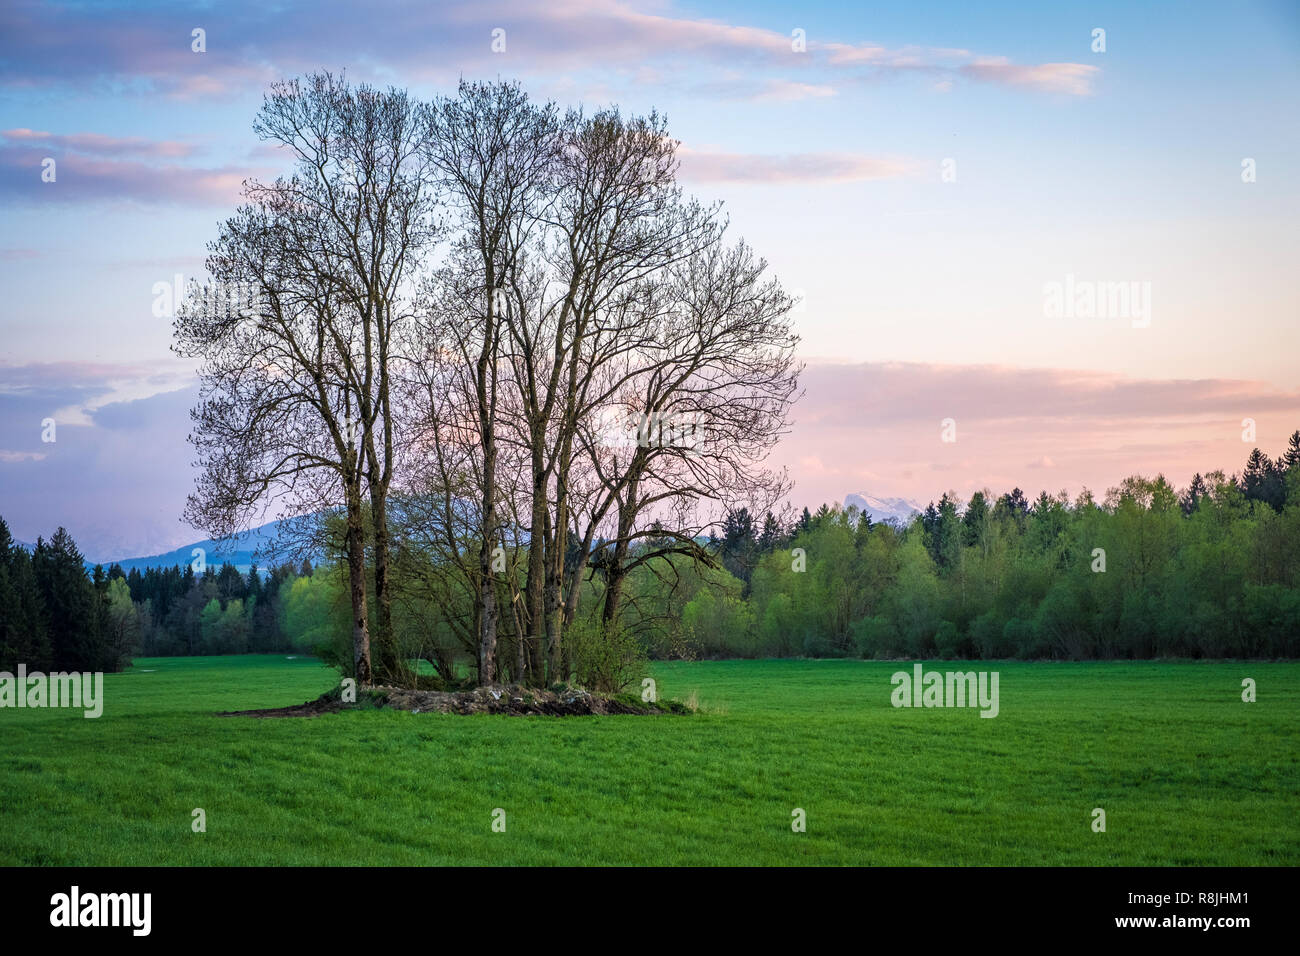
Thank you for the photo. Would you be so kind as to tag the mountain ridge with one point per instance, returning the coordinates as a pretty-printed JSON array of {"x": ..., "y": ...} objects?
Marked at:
[
  {"x": 899, "y": 510},
  {"x": 241, "y": 551}
]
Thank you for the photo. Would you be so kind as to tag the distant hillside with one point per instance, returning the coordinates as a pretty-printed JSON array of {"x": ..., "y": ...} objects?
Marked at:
[{"x": 241, "y": 552}]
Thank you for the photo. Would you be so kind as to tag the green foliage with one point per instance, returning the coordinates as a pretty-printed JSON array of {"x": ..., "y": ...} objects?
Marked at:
[
  {"x": 877, "y": 637},
  {"x": 718, "y": 622},
  {"x": 314, "y": 615},
  {"x": 1145, "y": 573},
  {"x": 949, "y": 642},
  {"x": 606, "y": 658}
]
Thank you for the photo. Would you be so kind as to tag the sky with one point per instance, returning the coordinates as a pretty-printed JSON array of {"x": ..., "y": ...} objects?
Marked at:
[{"x": 1079, "y": 246}]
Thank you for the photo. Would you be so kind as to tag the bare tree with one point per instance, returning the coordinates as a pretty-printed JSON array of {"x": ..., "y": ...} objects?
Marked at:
[
  {"x": 618, "y": 220},
  {"x": 582, "y": 283},
  {"x": 701, "y": 409},
  {"x": 297, "y": 381},
  {"x": 493, "y": 152}
]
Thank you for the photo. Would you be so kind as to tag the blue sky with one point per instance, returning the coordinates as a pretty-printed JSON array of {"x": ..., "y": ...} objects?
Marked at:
[{"x": 1118, "y": 166}]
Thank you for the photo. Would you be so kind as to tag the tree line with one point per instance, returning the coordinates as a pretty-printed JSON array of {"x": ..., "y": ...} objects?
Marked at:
[
  {"x": 56, "y": 614},
  {"x": 1213, "y": 571},
  {"x": 1145, "y": 571}
]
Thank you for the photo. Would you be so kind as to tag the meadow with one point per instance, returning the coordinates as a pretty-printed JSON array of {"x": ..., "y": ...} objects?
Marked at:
[{"x": 1187, "y": 773}]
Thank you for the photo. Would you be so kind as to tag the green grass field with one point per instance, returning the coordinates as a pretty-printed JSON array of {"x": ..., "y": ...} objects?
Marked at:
[{"x": 1187, "y": 773}]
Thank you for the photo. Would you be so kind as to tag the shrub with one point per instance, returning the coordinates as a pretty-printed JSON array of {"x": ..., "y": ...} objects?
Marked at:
[
  {"x": 1272, "y": 614},
  {"x": 604, "y": 658},
  {"x": 1020, "y": 638},
  {"x": 987, "y": 636},
  {"x": 877, "y": 637},
  {"x": 948, "y": 640},
  {"x": 819, "y": 645}
]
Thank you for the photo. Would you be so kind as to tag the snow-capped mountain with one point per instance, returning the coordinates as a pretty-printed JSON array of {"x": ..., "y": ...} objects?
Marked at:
[{"x": 883, "y": 509}]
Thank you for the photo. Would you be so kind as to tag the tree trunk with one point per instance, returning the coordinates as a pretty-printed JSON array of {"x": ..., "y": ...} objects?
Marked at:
[
  {"x": 521, "y": 647},
  {"x": 613, "y": 592},
  {"x": 535, "y": 586},
  {"x": 618, "y": 563},
  {"x": 554, "y": 597},
  {"x": 389, "y": 665},
  {"x": 356, "y": 556},
  {"x": 487, "y": 595},
  {"x": 487, "y": 644}
]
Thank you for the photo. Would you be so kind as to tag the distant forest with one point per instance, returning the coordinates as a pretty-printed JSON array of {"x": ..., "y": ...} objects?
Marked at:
[
  {"x": 54, "y": 615},
  {"x": 1146, "y": 572},
  {"x": 1213, "y": 571}
]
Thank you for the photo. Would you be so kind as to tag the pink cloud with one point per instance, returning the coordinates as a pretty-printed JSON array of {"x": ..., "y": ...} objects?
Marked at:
[
  {"x": 1039, "y": 429},
  {"x": 99, "y": 144},
  {"x": 99, "y": 378},
  {"x": 758, "y": 90},
  {"x": 248, "y": 46},
  {"x": 1073, "y": 79},
  {"x": 699, "y": 166},
  {"x": 79, "y": 177}
]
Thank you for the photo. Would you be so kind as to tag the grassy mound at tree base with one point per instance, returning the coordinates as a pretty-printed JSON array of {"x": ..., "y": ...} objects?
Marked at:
[{"x": 559, "y": 701}]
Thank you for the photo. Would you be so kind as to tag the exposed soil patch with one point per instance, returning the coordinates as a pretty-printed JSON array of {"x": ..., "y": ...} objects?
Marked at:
[{"x": 521, "y": 701}]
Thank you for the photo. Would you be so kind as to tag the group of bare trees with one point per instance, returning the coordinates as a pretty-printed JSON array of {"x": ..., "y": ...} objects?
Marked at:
[{"x": 492, "y": 333}]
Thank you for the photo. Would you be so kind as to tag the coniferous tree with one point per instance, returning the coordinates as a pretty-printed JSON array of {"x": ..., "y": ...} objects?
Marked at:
[
  {"x": 24, "y": 638},
  {"x": 929, "y": 520},
  {"x": 739, "y": 546},
  {"x": 1291, "y": 457},
  {"x": 770, "y": 536},
  {"x": 1191, "y": 498},
  {"x": 1263, "y": 480},
  {"x": 1012, "y": 507},
  {"x": 942, "y": 532},
  {"x": 975, "y": 520},
  {"x": 76, "y": 607}
]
